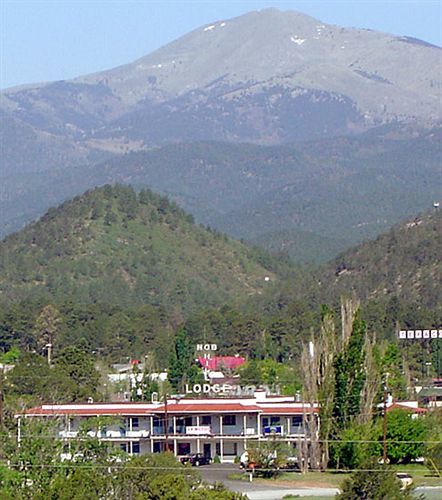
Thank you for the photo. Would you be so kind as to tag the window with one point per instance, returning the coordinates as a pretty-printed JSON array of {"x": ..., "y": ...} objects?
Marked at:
[
  {"x": 136, "y": 448},
  {"x": 183, "y": 448},
  {"x": 157, "y": 422},
  {"x": 157, "y": 447},
  {"x": 123, "y": 447},
  {"x": 229, "y": 420},
  {"x": 297, "y": 421},
  {"x": 230, "y": 448},
  {"x": 184, "y": 421},
  {"x": 135, "y": 423},
  {"x": 266, "y": 421},
  {"x": 206, "y": 420}
]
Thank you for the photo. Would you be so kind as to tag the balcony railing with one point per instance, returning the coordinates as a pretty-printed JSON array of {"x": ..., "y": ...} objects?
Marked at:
[
  {"x": 108, "y": 433},
  {"x": 281, "y": 430},
  {"x": 191, "y": 431}
]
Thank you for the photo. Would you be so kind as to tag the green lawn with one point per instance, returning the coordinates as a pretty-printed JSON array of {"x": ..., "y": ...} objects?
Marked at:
[{"x": 420, "y": 474}]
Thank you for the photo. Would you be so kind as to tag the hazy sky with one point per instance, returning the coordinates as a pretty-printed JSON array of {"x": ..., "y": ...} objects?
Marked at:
[{"x": 59, "y": 39}]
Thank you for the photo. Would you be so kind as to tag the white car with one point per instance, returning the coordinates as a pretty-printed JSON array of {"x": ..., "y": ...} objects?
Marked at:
[{"x": 405, "y": 479}]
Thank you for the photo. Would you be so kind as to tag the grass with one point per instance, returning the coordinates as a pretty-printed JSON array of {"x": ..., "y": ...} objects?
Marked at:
[
  {"x": 318, "y": 479},
  {"x": 290, "y": 497},
  {"x": 420, "y": 474}
]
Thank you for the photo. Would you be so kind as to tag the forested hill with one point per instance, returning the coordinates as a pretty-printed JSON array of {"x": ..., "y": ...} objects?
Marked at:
[
  {"x": 404, "y": 262},
  {"x": 114, "y": 246}
]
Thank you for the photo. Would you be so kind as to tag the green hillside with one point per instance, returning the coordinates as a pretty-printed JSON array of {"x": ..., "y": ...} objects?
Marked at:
[
  {"x": 344, "y": 190},
  {"x": 114, "y": 246},
  {"x": 301, "y": 246},
  {"x": 405, "y": 262}
]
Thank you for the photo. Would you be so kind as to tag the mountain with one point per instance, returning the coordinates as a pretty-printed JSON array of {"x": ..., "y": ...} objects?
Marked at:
[
  {"x": 266, "y": 77},
  {"x": 361, "y": 186},
  {"x": 312, "y": 200},
  {"x": 342, "y": 127},
  {"x": 404, "y": 263},
  {"x": 114, "y": 246}
]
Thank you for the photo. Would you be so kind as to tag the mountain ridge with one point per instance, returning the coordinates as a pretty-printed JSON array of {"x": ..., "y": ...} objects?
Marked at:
[
  {"x": 403, "y": 262},
  {"x": 115, "y": 246},
  {"x": 322, "y": 187},
  {"x": 267, "y": 77},
  {"x": 270, "y": 78}
]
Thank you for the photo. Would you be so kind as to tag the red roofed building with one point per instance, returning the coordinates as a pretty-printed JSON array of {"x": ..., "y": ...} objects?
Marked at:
[
  {"x": 220, "y": 363},
  {"x": 409, "y": 406},
  {"x": 215, "y": 426}
]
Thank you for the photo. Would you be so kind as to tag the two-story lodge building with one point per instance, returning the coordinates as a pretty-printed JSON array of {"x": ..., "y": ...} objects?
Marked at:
[{"x": 222, "y": 427}]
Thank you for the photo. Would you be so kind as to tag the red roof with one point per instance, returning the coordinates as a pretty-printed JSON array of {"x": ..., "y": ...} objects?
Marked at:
[
  {"x": 56, "y": 410},
  {"x": 220, "y": 362},
  {"x": 287, "y": 410},
  {"x": 208, "y": 408},
  {"x": 183, "y": 407},
  {"x": 128, "y": 409},
  {"x": 410, "y": 409}
]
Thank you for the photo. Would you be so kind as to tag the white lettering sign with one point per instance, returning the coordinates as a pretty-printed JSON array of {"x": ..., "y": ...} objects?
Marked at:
[
  {"x": 419, "y": 334},
  {"x": 207, "y": 388},
  {"x": 198, "y": 430},
  {"x": 206, "y": 347}
]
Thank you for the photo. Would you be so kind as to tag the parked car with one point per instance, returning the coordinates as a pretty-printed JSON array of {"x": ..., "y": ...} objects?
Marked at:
[
  {"x": 195, "y": 459},
  {"x": 291, "y": 464},
  {"x": 405, "y": 479}
]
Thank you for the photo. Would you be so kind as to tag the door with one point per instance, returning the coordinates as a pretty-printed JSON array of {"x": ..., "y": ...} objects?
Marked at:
[{"x": 207, "y": 450}]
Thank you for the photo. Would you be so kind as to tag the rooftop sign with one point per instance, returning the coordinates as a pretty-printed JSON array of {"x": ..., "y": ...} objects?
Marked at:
[
  {"x": 419, "y": 334},
  {"x": 206, "y": 347}
]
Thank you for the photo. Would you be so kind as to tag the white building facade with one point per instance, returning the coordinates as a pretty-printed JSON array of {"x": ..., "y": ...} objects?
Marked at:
[{"x": 213, "y": 427}]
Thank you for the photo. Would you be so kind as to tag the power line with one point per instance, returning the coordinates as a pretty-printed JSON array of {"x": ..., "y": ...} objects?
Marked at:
[
  {"x": 214, "y": 437},
  {"x": 185, "y": 469}
]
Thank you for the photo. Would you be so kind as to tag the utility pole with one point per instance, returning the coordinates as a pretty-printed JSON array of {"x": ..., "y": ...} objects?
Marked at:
[
  {"x": 166, "y": 426},
  {"x": 2, "y": 378},
  {"x": 385, "y": 419},
  {"x": 1, "y": 409}
]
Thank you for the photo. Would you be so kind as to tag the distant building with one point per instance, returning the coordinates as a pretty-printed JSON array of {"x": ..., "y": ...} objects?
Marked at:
[{"x": 410, "y": 406}]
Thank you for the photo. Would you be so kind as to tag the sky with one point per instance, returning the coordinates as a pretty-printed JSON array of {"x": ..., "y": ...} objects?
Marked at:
[{"x": 46, "y": 40}]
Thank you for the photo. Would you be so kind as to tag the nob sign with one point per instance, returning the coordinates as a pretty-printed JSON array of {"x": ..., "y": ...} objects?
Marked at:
[
  {"x": 206, "y": 347},
  {"x": 419, "y": 334}
]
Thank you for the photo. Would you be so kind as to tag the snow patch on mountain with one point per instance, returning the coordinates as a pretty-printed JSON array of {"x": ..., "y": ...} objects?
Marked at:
[{"x": 297, "y": 40}]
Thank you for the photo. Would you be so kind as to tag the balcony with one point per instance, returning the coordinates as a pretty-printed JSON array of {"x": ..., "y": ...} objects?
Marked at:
[
  {"x": 198, "y": 430},
  {"x": 281, "y": 430},
  {"x": 139, "y": 433},
  {"x": 107, "y": 434},
  {"x": 270, "y": 430},
  {"x": 297, "y": 430}
]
